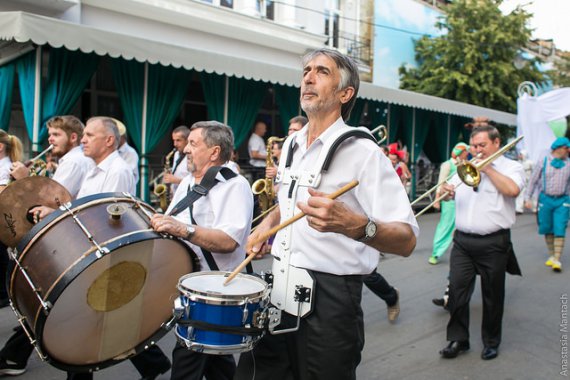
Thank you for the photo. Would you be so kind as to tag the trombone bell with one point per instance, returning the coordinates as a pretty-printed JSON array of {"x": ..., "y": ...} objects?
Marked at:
[{"x": 469, "y": 174}]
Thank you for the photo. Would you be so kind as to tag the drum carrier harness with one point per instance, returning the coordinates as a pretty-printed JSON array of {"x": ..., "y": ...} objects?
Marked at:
[{"x": 292, "y": 287}]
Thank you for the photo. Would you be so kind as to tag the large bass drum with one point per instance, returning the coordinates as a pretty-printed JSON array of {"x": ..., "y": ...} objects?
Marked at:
[{"x": 95, "y": 284}]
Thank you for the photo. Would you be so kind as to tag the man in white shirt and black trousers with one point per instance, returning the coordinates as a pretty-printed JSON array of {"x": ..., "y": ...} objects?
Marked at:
[
  {"x": 217, "y": 229},
  {"x": 339, "y": 241},
  {"x": 482, "y": 245}
]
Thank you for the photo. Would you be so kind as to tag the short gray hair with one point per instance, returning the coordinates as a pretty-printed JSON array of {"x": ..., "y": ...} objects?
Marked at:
[
  {"x": 110, "y": 126},
  {"x": 492, "y": 132},
  {"x": 348, "y": 74},
  {"x": 217, "y": 134}
]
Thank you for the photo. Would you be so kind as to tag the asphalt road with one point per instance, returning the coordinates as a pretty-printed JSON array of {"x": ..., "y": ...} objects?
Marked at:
[{"x": 533, "y": 347}]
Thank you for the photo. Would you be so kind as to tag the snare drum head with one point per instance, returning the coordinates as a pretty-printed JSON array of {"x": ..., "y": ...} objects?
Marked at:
[{"x": 212, "y": 284}]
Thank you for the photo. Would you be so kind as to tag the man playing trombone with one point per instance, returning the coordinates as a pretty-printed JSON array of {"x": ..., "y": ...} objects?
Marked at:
[{"x": 482, "y": 244}]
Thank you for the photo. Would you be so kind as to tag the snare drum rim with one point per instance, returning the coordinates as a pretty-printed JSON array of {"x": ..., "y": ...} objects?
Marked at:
[{"x": 224, "y": 300}]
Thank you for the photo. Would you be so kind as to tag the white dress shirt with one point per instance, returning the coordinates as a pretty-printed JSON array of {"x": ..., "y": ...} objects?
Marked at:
[
  {"x": 5, "y": 164},
  {"x": 380, "y": 195},
  {"x": 131, "y": 157},
  {"x": 72, "y": 169},
  {"x": 486, "y": 210},
  {"x": 227, "y": 207},
  {"x": 180, "y": 170},
  {"x": 256, "y": 143},
  {"x": 112, "y": 174}
]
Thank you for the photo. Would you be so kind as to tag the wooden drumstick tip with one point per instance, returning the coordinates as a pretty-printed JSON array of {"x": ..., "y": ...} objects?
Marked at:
[{"x": 275, "y": 229}]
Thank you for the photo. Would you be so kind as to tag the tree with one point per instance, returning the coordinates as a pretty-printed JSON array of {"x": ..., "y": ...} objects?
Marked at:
[
  {"x": 560, "y": 75},
  {"x": 473, "y": 61}
]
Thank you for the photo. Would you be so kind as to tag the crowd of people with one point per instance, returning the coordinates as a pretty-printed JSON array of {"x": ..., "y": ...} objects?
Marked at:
[{"x": 337, "y": 244}]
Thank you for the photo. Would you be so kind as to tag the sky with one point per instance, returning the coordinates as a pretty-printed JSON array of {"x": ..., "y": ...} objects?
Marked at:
[{"x": 550, "y": 19}]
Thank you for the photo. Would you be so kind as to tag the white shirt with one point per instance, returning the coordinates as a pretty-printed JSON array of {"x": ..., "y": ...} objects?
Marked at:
[
  {"x": 486, "y": 210},
  {"x": 131, "y": 157},
  {"x": 256, "y": 143},
  {"x": 380, "y": 195},
  {"x": 5, "y": 164},
  {"x": 72, "y": 169},
  {"x": 180, "y": 170},
  {"x": 112, "y": 174},
  {"x": 227, "y": 207}
]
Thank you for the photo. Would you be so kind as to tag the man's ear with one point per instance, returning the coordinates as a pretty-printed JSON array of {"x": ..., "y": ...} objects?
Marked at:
[
  {"x": 216, "y": 151},
  {"x": 73, "y": 138},
  {"x": 346, "y": 94}
]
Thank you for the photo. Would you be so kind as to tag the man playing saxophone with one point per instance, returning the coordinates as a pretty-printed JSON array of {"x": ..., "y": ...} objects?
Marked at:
[{"x": 179, "y": 167}]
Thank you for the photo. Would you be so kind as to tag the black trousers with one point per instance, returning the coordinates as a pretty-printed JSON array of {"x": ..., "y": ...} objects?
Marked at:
[
  {"x": 4, "y": 259},
  {"x": 379, "y": 286},
  {"x": 327, "y": 345},
  {"x": 191, "y": 365},
  {"x": 18, "y": 350},
  {"x": 486, "y": 256}
]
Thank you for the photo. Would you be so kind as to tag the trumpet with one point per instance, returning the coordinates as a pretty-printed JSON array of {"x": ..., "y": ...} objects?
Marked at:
[
  {"x": 161, "y": 189},
  {"x": 382, "y": 133},
  {"x": 263, "y": 188},
  {"x": 36, "y": 165},
  {"x": 469, "y": 172}
]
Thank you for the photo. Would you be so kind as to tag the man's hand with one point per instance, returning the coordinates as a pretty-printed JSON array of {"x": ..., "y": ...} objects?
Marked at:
[
  {"x": 270, "y": 172},
  {"x": 528, "y": 204},
  {"x": 170, "y": 178},
  {"x": 169, "y": 225},
  {"x": 329, "y": 215},
  {"x": 18, "y": 170},
  {"x": 450, "y": 189},
  {"x": 40, "y": 212}
]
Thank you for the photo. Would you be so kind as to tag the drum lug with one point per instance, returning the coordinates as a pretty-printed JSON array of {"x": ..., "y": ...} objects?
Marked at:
[
  {"x": 37, "y": 291},
  {"x": 29, "y": 334},
  {"x": 177, "y": 314}
]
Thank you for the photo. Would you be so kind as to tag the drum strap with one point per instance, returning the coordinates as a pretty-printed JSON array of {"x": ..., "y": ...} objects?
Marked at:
[
  {"x": 201, "y": 325},
  {"x": 198, "y": 191}
]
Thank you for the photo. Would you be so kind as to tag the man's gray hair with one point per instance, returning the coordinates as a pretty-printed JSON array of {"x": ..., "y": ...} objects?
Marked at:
[
  {"x": 110, "y": 127},
  {"x": 348, "y": 74},
  {"x": 215, "y": 133}
]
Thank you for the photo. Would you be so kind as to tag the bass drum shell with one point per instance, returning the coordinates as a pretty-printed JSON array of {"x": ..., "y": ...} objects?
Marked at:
[{"x": 101, "y": 309}]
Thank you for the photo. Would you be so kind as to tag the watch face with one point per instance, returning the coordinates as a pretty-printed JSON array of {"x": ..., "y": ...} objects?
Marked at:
[{"x": 371, "y": 229}]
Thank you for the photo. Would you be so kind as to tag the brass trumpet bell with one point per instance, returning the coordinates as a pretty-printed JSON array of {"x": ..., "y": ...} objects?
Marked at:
[{"x": 469, "y": 174}]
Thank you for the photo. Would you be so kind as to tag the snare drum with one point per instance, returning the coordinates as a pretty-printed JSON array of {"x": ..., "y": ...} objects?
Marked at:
[
  {"x": 95, "y": 283},
  {"x": 221, "y": 319}
]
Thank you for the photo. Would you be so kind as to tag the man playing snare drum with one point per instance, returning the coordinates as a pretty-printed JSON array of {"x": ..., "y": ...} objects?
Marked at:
[{"x": 216, "y": 226}]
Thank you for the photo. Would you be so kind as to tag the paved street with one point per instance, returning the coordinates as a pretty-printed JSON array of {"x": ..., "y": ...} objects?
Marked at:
[{"x": 408, "y": 350}]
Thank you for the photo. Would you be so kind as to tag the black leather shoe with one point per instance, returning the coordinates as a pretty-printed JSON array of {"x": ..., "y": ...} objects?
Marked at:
[
  {"x": 438, "y": 302},
  {"x": 489, "y": 353},
  {"x": 454, "y": 348}
]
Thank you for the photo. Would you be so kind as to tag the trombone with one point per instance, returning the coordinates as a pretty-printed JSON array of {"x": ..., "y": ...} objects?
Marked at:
[{"x": 469, "y": 173}]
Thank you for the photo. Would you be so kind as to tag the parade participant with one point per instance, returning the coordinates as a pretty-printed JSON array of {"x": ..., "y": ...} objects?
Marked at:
[
  {"x": 296, "y": 123},
  {"x": 216, "y": 228},
  {"x": 179, "y": 167},
  {"x": 256, "y": 149},
  {"x": 127, "y": 152},
  {"x": 10, "y": 151},
  {"x": 551, "y": 179},
  {"x": 444, "y": 230},
  {"x": 482, "y": 245},
  {"x": 337, "y": 243}
]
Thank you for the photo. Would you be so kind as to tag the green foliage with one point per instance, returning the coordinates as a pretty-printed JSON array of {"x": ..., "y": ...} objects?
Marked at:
[
  {"x": 560, "y": 75},
  {"x": 473, "y": 61}
]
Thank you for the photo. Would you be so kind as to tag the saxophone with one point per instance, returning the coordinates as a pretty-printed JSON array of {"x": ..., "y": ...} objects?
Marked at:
[
  {"x": 263, "y": 188},
  {"x": 161, "y": 189}
]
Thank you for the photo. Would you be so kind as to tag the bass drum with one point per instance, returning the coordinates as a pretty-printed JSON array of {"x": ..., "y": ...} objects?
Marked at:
[{"x": 95, "y": 284}]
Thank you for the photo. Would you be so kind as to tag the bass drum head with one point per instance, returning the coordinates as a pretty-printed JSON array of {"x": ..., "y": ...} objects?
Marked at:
[{"x": 116, "y": 304}]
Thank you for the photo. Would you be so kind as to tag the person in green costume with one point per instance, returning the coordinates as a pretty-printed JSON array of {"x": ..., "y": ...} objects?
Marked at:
[{"x": 444, "y": 230}]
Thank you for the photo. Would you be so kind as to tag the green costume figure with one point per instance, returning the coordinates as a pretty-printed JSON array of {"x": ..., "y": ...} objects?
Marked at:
[{"x": 444, "y": 230}]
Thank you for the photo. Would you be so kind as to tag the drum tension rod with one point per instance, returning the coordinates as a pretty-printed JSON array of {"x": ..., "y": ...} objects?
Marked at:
[
  {"x": 33, "y": 341},
  {"x": 100, "y": 250},
  {"x": 46, "y": 305}
]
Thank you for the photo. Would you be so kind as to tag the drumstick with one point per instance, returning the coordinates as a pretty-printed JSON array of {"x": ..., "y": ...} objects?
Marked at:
[{"x": 266, "y": 235}]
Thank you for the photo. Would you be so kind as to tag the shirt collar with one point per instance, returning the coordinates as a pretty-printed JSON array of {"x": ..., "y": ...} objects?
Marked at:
[
  {"x": 301, "y": 137},
  {"x": 105, "y": 165}
]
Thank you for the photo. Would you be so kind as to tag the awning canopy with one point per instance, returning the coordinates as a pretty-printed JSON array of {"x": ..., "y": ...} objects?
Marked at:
[{"x": 24, "y": 27}]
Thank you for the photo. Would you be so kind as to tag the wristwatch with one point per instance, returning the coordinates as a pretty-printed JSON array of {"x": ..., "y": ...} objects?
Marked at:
[
  {"x": 370, "y": 230},
  {"x": 190, "y": 230}
]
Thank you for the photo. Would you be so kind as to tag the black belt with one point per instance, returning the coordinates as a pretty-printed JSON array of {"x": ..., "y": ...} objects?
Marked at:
[{"x": 506, "y": 231}]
